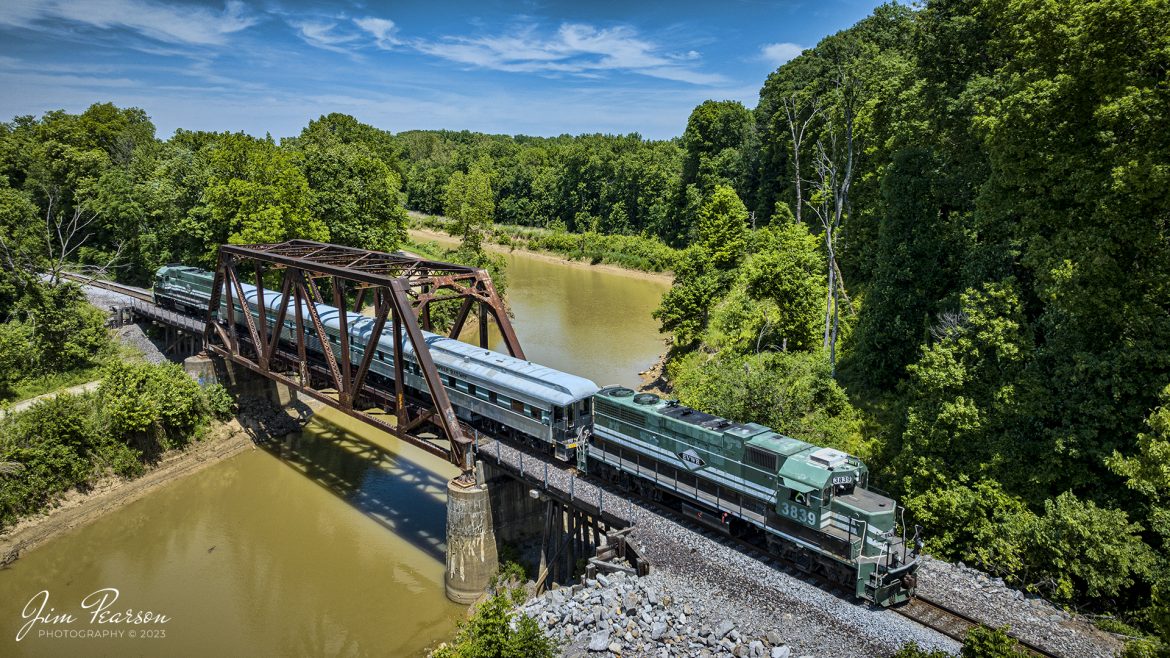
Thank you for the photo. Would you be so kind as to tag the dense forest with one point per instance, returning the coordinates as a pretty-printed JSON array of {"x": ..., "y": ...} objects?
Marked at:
[{"x": 939, "y": 241}]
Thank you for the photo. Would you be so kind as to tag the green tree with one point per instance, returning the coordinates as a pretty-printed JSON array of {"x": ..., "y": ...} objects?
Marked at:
[
  {"x": 790, "y": 392},
  {"x": 791, "y": 276},
  {"x": 978, "y": 524},
  {"x": 66, "y": 332},
  {"x": 715, "y": 134},
  {"x": 468, "y": 201},
  {"x": 22, "y": 248},
  {"x": 1081, "y": 551},
  {"x": 917, "y": 268},
  {"x": 354, "y": 191},
  {"x": 722, "y": 230},
  {"x": 685, "y": 308},
  {"x": 1147, "y": 473},
  {"x": 255, "y": 193},
  {"x": 963, "y": 416},
  {"x": 16, "y": 353}
]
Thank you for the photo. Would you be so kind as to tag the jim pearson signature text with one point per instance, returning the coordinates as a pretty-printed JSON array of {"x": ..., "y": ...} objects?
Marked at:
[{"x": 98, "y": 612}]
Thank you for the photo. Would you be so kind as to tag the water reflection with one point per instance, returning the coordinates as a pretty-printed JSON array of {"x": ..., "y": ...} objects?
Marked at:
[
  {"x": 248, "y": 558},
  {"x": 352, "y": 461}
]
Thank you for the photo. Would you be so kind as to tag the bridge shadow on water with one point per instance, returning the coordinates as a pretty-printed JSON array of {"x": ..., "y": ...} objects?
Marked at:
[{"x": 398, "y": 493}]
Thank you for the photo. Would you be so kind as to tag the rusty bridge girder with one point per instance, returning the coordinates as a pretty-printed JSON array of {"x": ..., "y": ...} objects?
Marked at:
[{"x": 401, "y": 290}]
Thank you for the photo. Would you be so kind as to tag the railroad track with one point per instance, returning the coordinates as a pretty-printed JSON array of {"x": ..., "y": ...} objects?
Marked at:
[
  {"x": 129, "y": 291},
  {"x": 935, "y": 616},
  {"x": 950, "y": 622}
]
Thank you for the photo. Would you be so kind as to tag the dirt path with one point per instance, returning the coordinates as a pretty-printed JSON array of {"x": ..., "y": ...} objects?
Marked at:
[
  {"x": 77, "y": 509},
  {"x": 72, "y": 390}
]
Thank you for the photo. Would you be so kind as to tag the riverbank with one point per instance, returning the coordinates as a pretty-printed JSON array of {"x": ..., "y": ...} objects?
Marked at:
[
  {"x": 427, "y": 234},
  {"x": 257, "y": 422}
]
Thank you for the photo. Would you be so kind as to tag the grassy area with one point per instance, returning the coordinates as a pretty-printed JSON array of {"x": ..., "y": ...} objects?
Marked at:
[
  {"x": 30, "y": 388},
  {"x": 55, "y": 381},
  {"x": 633, "y": 252}
]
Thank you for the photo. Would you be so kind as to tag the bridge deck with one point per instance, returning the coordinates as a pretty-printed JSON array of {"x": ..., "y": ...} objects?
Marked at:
[{"x": 557, "y": 482}]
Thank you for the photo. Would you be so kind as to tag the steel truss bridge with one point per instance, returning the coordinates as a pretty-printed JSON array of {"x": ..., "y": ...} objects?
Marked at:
[{"x": 401, "y": 291}]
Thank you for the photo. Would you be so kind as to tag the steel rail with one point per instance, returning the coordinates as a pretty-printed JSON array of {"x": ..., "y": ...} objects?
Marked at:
[
  {"x": 130, "y": 291},
  {"x": 952, "y": 623}
]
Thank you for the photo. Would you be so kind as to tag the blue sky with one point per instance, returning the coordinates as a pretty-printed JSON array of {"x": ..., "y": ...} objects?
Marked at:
[{"x": 538, "y": 68}]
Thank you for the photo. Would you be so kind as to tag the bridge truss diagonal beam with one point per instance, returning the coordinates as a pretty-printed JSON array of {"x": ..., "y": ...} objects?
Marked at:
[{"x": 401, "y": 289}]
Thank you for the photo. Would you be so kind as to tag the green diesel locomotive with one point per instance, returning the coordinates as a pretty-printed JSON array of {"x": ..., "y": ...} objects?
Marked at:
[{"x": 810, "y": 504}]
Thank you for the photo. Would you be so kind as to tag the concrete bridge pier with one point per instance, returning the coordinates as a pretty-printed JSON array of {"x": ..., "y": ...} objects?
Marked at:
[
  {"x": 471, "y": 542},
  {"x": 201, "y": 368}
]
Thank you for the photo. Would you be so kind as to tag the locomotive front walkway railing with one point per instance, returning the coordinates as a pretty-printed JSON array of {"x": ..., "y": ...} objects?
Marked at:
[{"x": 401, "y": 290}]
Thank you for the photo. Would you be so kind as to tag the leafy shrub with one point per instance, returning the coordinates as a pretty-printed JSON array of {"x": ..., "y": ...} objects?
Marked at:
[
  {"x": 151, "y": 407},
  {"x": 51, "y": 441},
  {"x": 219, "y": 401},
  {"x": 912, "y": 650},
  {"x": 67, "y": 332},
  {"x": 494, "y": 632},
  {"x": 1081, "y": 550},
  {"x": 16, "y": 354},
  {"x": 1074, "y": 550},
  {"x": 983, "y": 642},
  {"x": 979, "y": 524}
]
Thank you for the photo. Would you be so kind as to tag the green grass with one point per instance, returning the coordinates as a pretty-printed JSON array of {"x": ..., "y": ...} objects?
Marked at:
[
  {"x": 34, "y": 386},
  {"x": 55, "y": 381}
]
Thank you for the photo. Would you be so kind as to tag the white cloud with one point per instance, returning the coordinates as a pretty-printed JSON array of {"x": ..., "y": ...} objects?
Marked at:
[
  {"x": 779, "y": 53},
  {"x": 383, "y": 31},
  {"x": 575, "y": 49},
  {"x": 184, "y": 25},
  {"x": 324, "y": 35}
]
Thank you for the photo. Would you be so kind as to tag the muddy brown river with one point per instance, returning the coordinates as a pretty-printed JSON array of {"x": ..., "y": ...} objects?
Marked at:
[{"x": 330, "y": 543}]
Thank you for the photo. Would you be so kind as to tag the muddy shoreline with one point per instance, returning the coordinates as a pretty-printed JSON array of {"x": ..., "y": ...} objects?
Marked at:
[{"x": 427, "y": 235}]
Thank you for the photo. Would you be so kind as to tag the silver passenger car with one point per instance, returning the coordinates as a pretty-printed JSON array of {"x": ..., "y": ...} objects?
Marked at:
[{"x": 489, "y": 390}]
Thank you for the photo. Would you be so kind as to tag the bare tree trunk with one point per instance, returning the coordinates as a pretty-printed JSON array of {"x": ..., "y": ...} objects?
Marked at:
[
  {"x": 835, "y": 178},
  {"x": 841, "y": 288},
  {"x": 829, "y": 291},
  {"x": 797, "y": 128},
  {"x": 833, "y": 340},
  {"x": 66, "y": 233}
]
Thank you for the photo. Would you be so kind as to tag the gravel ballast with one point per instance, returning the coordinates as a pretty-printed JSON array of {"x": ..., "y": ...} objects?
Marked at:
[
  {"x": 131, "y": 335},
  {"x": 722, "y": 582}
]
